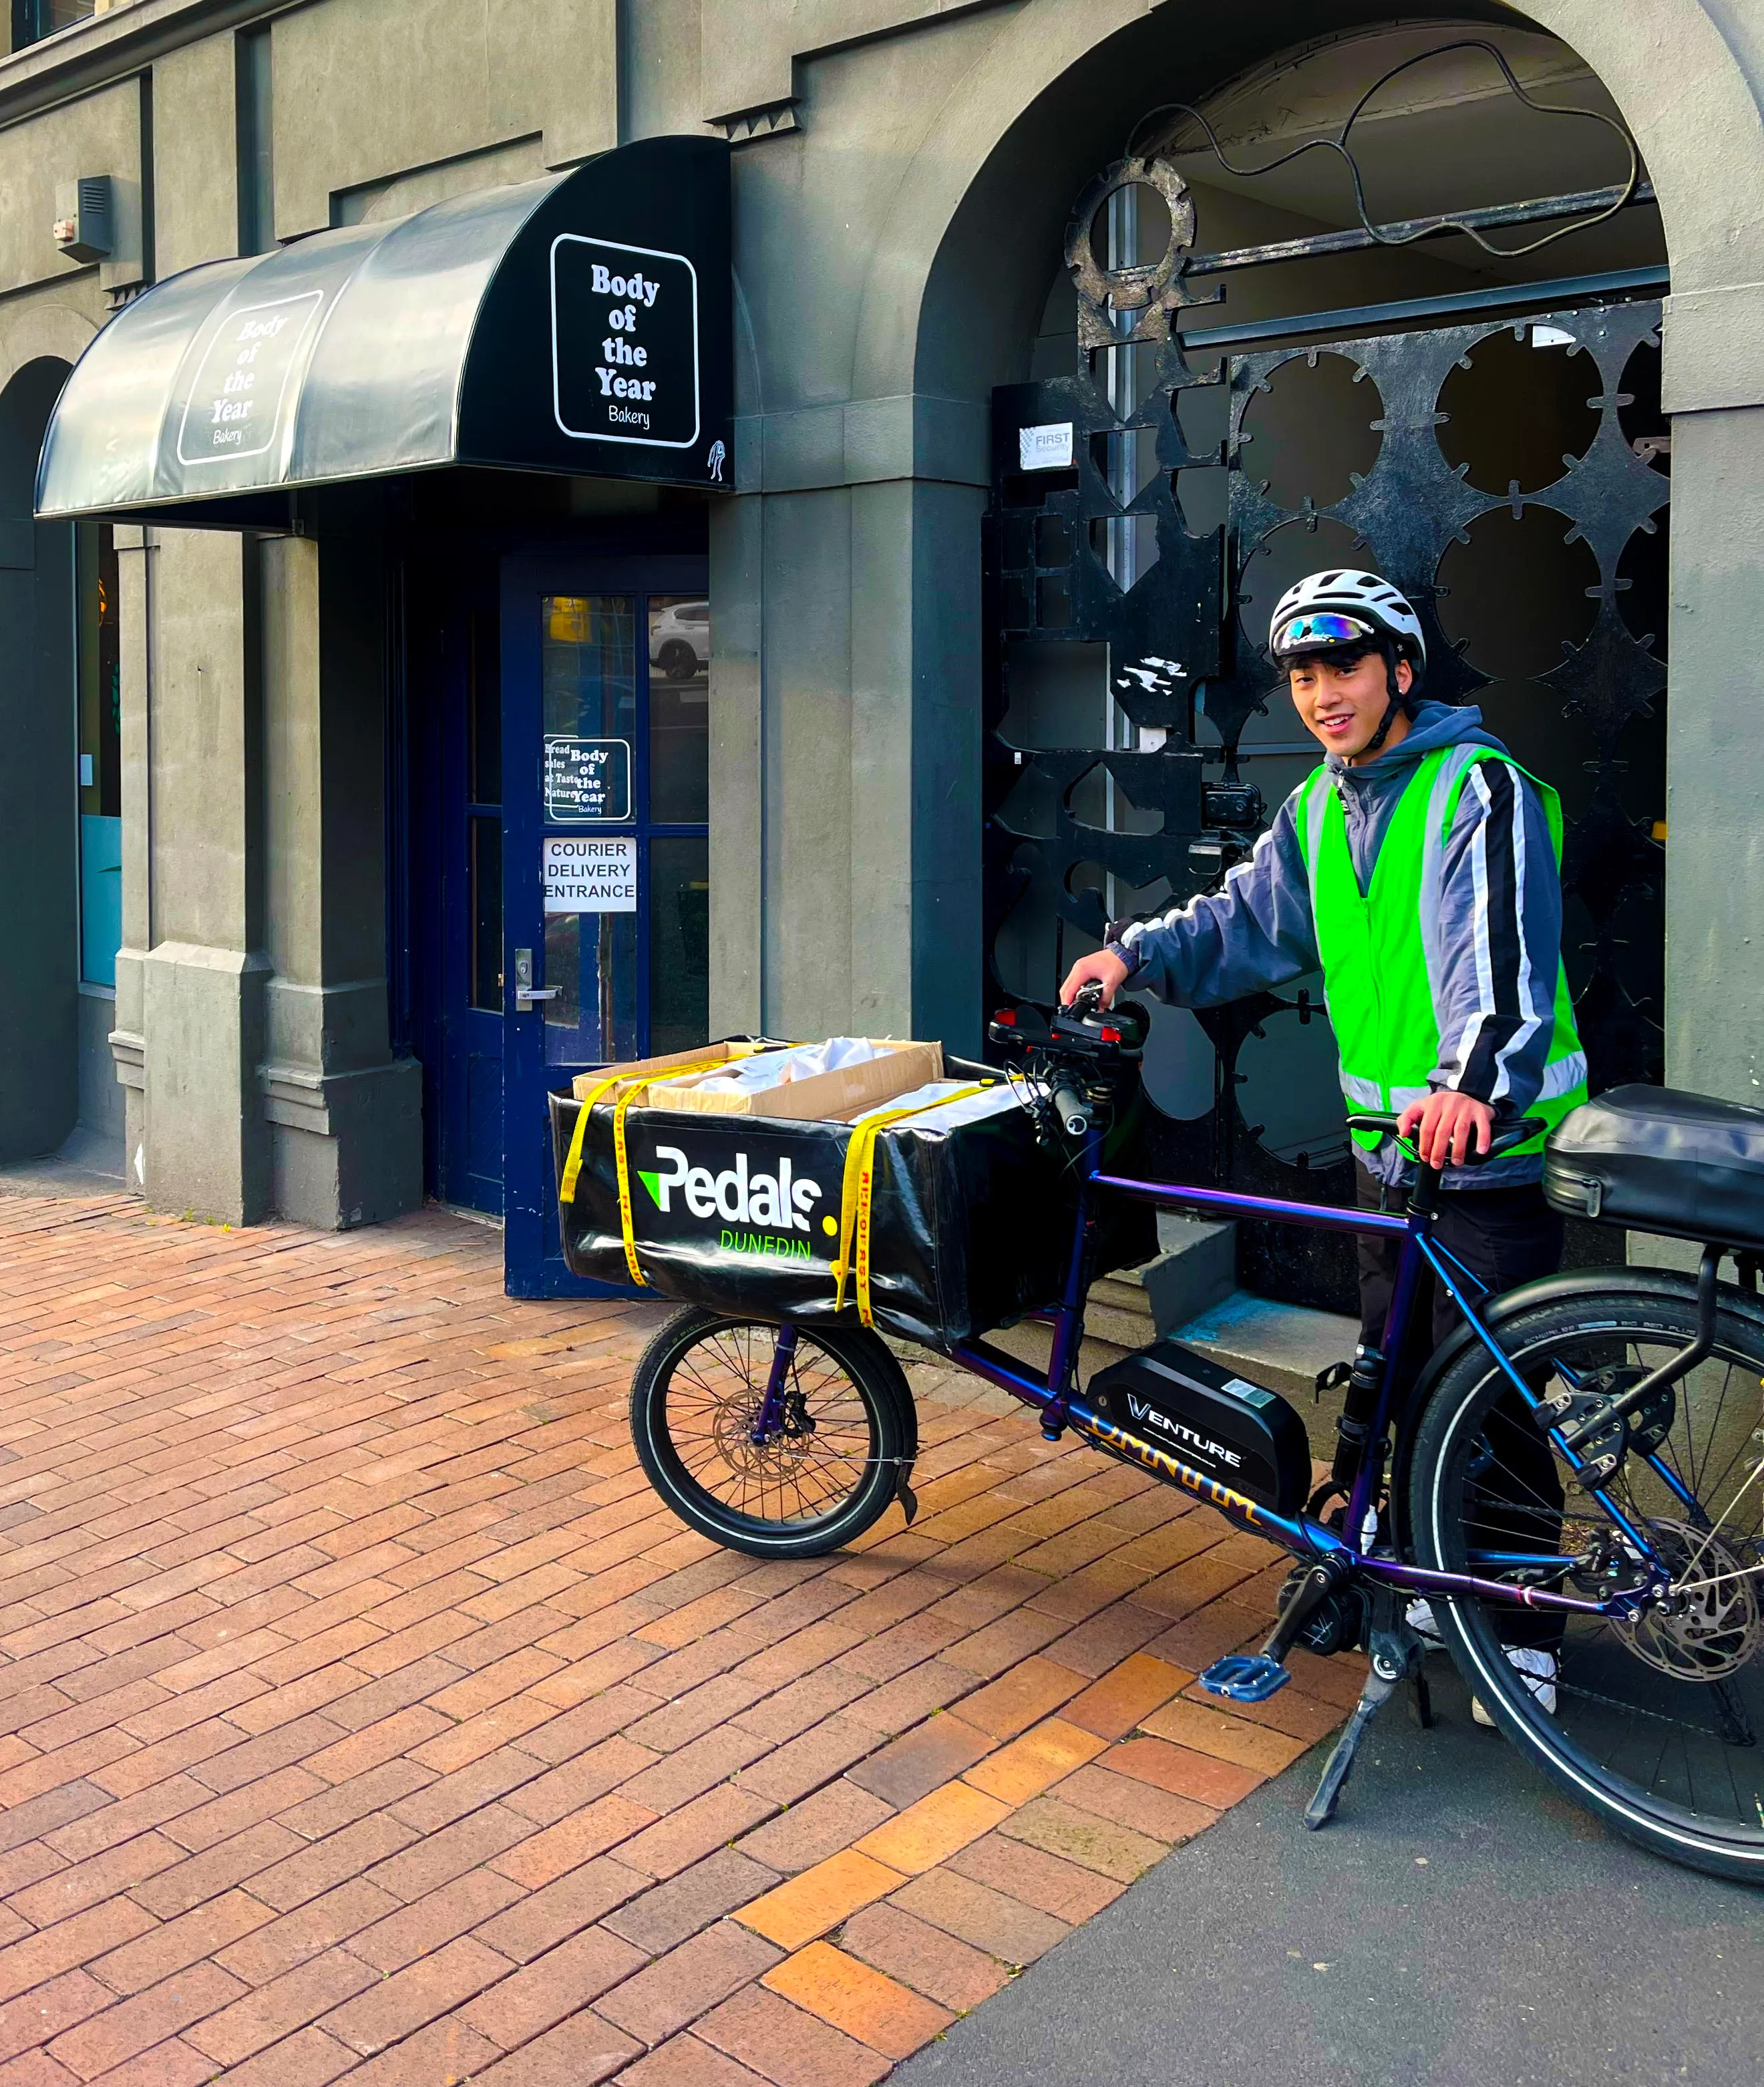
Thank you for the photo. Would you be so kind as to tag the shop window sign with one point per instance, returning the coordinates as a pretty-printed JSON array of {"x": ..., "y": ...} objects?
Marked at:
[
  {"x": 587, "y": 778},
  {"x": 624, "y": 343},
  {"x": 584, "y": 875}
]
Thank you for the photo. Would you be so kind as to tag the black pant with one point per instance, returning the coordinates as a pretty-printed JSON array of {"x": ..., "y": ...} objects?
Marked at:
[{"x": 1504, "y": 1236}]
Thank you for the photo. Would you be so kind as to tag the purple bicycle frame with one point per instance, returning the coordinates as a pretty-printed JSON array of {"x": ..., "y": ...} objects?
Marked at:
[{"x": 1056, "y": 1397}]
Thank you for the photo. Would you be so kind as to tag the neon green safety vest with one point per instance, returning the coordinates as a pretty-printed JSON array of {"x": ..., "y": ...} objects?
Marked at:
[{"x": 1381, "y": 952}]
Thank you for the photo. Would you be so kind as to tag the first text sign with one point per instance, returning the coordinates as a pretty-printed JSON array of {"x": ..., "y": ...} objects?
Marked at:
[
  {"x": 586, "y": 876},
  {"x": 624, "y": 343}
]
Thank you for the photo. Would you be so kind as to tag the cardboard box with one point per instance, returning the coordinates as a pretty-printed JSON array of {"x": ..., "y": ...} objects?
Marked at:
[
  {"x": 640, "y": 1070},
  {"x": 823, "y": 1097}
]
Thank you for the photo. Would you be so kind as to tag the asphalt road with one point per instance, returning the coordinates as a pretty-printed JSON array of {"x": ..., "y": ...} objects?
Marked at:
[{"x": 1459, "y": 1925}]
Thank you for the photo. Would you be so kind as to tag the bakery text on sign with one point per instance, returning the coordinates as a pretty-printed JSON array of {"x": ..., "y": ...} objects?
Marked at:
[
  {"x": 618, "y": 348},
  {"x": 624, "y": 343},
  {"x": 235, "y": 401}
]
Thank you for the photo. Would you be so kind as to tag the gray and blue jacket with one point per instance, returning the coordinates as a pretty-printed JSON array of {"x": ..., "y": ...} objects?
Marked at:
[{"x": 1501, "y": 928}]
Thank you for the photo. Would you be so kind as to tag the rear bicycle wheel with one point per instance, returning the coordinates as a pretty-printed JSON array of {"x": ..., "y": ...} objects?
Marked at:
[
  {"x": 845, "y": 1445},
  {"x": 1654, "y": 1724}
]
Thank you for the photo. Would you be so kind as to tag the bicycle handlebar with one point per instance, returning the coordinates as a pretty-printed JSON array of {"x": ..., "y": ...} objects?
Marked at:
[
  {"x": 1506, "y": 1135},
  {"x": 1072, "y": 1109}
]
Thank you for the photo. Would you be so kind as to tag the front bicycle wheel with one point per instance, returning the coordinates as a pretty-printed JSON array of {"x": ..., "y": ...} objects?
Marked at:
[
  {"x": 841, "y": 1451},
  {"x": 1655, "y": 1723}
]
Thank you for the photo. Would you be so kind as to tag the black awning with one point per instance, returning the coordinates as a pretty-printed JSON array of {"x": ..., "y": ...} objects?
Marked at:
[{"x": 577, "y": 324}]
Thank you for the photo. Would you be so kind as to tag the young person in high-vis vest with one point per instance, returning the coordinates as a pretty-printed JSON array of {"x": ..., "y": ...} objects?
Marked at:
[{"x": 1419, "y": 868}]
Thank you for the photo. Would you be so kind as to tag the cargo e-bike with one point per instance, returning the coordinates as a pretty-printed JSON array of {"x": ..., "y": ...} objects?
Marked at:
[{"x": 1589, "y": 1449}]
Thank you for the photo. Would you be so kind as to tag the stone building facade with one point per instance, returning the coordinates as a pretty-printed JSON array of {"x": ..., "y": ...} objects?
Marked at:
[{"x": 230, "y": 917}]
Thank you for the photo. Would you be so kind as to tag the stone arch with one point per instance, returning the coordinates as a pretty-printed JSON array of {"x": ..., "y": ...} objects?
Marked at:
[
  {"x": 985, "y": 183},
  {"x": 945, "y": 303},
  {"x": 43, "y": 332}
]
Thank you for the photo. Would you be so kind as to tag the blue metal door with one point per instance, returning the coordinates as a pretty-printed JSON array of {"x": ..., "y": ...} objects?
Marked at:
[{"x": 605, "y": 779}]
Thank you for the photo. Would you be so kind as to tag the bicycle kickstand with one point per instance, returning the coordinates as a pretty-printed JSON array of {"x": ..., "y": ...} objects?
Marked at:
[{"x": 1396, "y": 1655}]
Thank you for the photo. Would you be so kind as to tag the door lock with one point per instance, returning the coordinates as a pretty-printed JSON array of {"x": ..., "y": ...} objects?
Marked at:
[{"x": 526, "y": 995}]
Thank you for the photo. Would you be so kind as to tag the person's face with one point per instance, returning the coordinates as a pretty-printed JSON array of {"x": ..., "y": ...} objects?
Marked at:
[{"x": 1342, "y": 706}]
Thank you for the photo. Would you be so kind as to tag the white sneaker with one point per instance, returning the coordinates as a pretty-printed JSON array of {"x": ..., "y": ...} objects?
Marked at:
[
  {"x": 1539, "y": 1668},
  {"x": 1419, "y": 1616}
]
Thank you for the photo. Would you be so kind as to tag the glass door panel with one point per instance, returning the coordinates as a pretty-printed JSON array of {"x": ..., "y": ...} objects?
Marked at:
[
  {"x": 605, "y": 754},
  {"x": 589, "y": 676},
  {"x": 679, "y": 941},
  {"x": 680, "y": 709}
]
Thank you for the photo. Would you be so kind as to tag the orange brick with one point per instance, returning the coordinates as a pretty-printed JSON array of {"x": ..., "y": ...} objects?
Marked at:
[
  {"x": 924, "y": 1958},
  {"x": 1027, "y": 1766},
  {"x": 808, "y": 1904},
  {"x": 934, "y": 1829},
  {"x": 1020, "y": 1698},
  {"x": 787, "y": 2044},
  {"x": 1228, "y": 1738},
  {"x": 1141, "y": 1805},
  {"x": 990, "y": 1920},
  {"x": 1203, "y": 1778},
  {"x": 865, "y": 2003},
  {"x": 1121, "y": 1700}
]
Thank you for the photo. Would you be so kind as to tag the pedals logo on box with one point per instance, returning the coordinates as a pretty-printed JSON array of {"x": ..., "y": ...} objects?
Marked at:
[{"x": 762, "y": 1208}]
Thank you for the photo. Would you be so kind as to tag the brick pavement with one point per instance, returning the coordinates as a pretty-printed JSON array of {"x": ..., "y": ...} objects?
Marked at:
[{"x": 364, "y": 1716}]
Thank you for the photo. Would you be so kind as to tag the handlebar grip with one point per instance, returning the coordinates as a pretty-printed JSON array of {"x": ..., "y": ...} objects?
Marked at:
[{"x": 1072, "y": 1110}]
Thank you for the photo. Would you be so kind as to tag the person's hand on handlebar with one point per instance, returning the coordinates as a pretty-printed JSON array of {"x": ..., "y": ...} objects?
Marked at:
[
  {"x": 1448, "y": 1127},
  {"x": 1100, "y": 969}
]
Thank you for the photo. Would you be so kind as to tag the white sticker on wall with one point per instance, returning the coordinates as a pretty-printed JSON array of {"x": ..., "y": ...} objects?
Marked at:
[
  {"x": 583, "y": 874},
  {"x": 1045, "y": 448}
]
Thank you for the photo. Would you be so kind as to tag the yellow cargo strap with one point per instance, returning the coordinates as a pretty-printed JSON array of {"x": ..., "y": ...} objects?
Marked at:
[
  {"x": 566, "y": 1188},
  {"x": 855, "y": 1193}
]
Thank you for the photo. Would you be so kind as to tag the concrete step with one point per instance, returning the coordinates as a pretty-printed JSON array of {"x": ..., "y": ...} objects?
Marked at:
[
  {"x": 1282, "y": 1347},
  {"x": 1195, "y": 1269}
]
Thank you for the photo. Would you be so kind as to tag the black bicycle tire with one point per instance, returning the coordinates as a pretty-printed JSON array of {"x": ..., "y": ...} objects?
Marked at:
[
  {"x": 882, "y": 1388},
  {"x": 1665, "y": 1831}
]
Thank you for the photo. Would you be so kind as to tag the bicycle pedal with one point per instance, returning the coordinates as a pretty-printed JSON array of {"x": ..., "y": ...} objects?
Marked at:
[{"x": 1245, "y": 1677}]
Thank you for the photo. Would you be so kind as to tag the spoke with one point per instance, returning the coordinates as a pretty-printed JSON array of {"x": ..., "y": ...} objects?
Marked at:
[
  {"x": 713, "y": 1399},
  {"x": 1660, "y": 1701}
]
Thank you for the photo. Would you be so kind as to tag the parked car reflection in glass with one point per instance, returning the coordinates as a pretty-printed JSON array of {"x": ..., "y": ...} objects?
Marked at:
[{"x": 680, "y": 638}]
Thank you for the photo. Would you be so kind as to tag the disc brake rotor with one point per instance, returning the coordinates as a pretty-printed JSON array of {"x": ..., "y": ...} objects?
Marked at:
[
  {"x": 1713, "y": 1628},
  {"x": 732, "y": 1432}
]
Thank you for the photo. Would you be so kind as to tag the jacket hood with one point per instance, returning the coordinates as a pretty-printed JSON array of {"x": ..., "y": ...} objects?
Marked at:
[{"x": 1435, "y": 725}]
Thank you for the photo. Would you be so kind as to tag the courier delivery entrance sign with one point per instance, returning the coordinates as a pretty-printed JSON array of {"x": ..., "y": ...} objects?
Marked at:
[{"x": 584, "y": 875}]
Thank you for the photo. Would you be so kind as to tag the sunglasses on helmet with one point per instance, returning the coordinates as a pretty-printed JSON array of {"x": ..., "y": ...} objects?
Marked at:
[{"x": 1322, "y": 629}]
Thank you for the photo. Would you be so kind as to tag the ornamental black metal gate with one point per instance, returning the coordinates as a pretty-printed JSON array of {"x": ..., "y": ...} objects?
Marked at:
[{"x": 1068, "y": 828}]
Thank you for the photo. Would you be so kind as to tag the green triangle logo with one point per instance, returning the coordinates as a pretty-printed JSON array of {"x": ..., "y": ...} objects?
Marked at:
[{"x": 649, "y": 1181}]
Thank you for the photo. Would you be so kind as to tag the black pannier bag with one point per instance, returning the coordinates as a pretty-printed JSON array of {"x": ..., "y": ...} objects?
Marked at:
[
  {"x": 969, "y": 1225},
  {"x": 1658, "y": 1160}
]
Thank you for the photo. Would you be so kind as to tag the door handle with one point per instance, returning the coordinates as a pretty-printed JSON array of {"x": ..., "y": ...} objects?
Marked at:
[{"x": 527, "y": 994}]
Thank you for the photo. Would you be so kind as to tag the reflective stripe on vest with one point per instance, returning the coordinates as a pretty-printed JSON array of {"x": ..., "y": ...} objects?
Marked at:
[{"x": 1382, "y": 952}]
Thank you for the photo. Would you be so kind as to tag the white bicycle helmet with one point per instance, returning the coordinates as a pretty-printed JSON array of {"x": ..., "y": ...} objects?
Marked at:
[{"x": 1330, "y": 611}]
